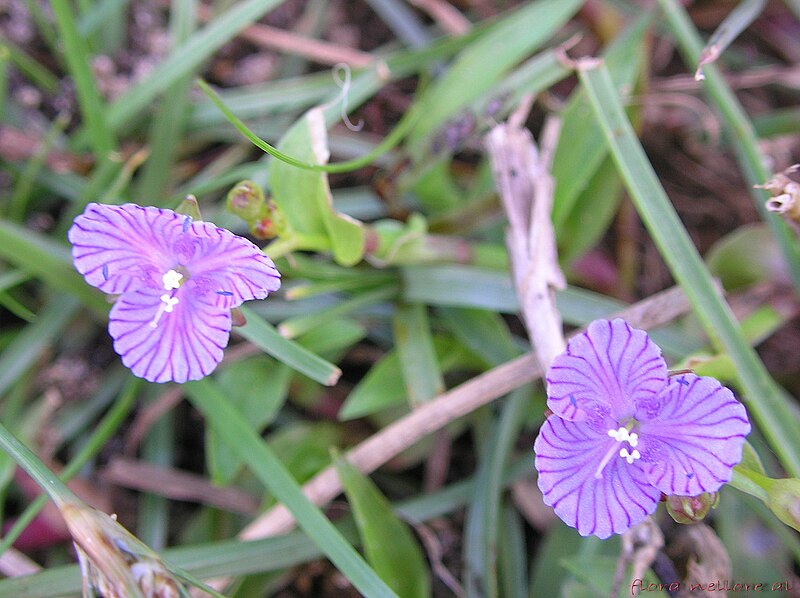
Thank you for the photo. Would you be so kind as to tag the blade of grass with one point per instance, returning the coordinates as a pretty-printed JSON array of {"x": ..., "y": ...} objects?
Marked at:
[
  {"x": 76, "y": 53},
  {"x": 737, "y": 21},
  {"x": 38, "y": 74},
  {"x": 5, "y": 59},
  {"x": 259, "y": 332},
  {"x": 18, "y": 203},
  {"x": 742, "y": 136},
  {"x": 171, "y": 119},
  {"x": 763, "y": 398},
  {"x": 265, "y": 465},
  {"x": 482, "y": 64},
  {"x": 102, "y": 432},
  {"x": 200, "y": 46},
  {"x": 28, "y": 344},
  {"x": 49, "y": 261}
]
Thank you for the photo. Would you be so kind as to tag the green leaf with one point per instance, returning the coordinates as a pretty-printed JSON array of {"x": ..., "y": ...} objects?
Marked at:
[
  {"x": 49, "y": 261},
  {"x": 304, "y": 197},
  {"x": 748, "y": 255},
  {"x": 388, "y": 543},
  {"x": 259, "y": 332},
  {"x": 184, "y": 59},
  {"x": 384, "y": 385},
  {"x": 412, "y": 334},
  {"x": 257, "y": 387},
  {"x": 580, "y": 151}
]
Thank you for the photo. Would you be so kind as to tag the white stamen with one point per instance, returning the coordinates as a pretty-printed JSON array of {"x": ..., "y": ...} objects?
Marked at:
[
  {"x": 172, "y": 280},
  {"x": 629, "y": 457},
  {"x": 169, "y": 305},
  {"x": 620, "y": 435}
]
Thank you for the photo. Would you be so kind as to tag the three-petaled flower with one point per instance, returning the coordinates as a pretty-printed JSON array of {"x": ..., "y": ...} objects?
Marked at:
[
  {"x": 623, "y": 431},
  {"x": 177, "y": 281}
]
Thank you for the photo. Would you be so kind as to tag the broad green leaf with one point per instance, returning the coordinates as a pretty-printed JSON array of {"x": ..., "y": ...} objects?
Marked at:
[
  {"x": 390, "y": 546},
  {"x": 305, "y": 448},
  {"x": 304, "y": 197},
  {"x": 748, "y": 255}
]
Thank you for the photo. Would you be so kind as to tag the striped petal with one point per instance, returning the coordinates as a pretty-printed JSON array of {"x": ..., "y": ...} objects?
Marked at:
[
  {"x": 158, "y": 345},
  {"x": 606, "y": 371},
  {"x": 691, "y": 443},
  {"x": 568, "y": 456},
  {"x": 228, "y": 270},
  {"x": 124, "y": 248}
]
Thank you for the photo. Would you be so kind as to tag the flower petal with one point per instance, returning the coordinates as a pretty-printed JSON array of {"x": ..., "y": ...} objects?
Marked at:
[
  {"x": 568, "y": 455},
  {"x": 694, "y": 439},
  {"x": 183, "y": 344},
  {"x": 607, "y": 370},
  {"x": 123, "y": 248},
  {"x": 228, "y": 270}
]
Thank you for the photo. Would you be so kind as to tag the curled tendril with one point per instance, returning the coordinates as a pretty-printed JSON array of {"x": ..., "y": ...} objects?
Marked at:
[{"x": 343, "y": 82}]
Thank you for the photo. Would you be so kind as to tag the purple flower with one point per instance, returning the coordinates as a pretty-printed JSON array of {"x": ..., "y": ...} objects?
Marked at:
[
  {"x": 177, "y": 281},
  {"x": 622, "y": 431}
]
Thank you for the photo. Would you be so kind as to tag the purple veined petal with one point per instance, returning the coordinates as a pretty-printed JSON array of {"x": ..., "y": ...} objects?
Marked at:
[
  {"x": 568, "y": 455},
  {"x": 607, "y": 370},
  {"x": 123, "y": 248},
  {"x": 162, "y": 346},
  {"x": 229, "y": 270},
  {"x": 692, "y": 444}
]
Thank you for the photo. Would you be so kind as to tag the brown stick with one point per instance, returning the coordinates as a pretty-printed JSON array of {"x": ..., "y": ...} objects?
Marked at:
[
  {"x": 445, "y": 14},
  {"x": 291, "y": 43}
]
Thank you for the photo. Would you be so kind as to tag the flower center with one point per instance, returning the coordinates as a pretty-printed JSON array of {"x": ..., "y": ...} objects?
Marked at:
[
  {"x": 621, "y": 434},
  {"x": 172, "y": 282}
]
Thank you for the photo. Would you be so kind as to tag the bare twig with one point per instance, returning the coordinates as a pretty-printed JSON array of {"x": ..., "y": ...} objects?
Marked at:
[
  {"x": 445, "y": 14},
  {"x": 178, "y": 485},
  {"x": 313, "y": 49}
]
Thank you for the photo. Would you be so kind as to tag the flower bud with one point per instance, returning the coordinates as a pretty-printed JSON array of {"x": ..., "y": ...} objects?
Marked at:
[
  {"x": 270, "y": 222},
  {"x": 691, "y": 509},
  {"x": 246, "y": 200}
]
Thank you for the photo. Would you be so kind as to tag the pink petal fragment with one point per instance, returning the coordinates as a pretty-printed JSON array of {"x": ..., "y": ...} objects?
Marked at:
[
  {"x": 123, "y": 248},
  {"x": 185, "y": 344},
  {"x": 691, "y": 444},
  {"x": 568, "y": 455},
  {"x": 227, "y": 270},
  {"x": 607, "y": 370}
]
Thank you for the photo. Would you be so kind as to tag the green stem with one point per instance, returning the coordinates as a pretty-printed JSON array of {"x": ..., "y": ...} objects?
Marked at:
[{"x": 389, "y": 142}]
